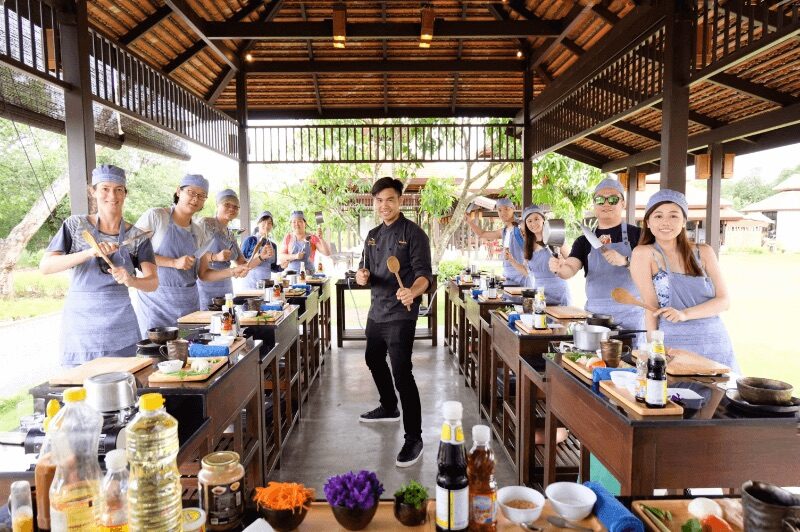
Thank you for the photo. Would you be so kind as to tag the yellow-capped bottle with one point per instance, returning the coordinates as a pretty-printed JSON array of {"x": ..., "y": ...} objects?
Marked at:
[
  {"x": 154, "y": 486},
  {"x": 452, "y": 485}
]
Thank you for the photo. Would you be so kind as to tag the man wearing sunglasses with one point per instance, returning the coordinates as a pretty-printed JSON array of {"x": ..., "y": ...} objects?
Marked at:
[{"x": 606, "y": 267}]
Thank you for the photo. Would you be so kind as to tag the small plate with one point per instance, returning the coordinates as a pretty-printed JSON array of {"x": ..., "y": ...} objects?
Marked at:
[{"x": 733, "y": 395}]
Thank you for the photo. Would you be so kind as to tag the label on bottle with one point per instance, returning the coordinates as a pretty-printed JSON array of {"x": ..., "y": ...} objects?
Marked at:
[
  {"x": 223, "y": 503},
  {"x": 484, "y": 509},
  {"x": 452, "y": 508},
  {"x": 72, "y": 516},
  {"x": 656, "y": 392},
  {"x": 540, "y": 321},
  {"x": 113, "y": 528}
]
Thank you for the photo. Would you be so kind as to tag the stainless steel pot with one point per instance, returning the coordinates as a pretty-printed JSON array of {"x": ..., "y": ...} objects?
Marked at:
[
  {"x": 588, "y": 337},
  {"x": 111, "y": 392},
  {"x": 554, "y": 233}
]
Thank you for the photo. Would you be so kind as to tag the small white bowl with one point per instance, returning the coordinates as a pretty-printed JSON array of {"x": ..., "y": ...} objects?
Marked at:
[
  {"x": 249, "y": 313},
  {"x": 622, "y": 379},
  {"x": 571, "y": 500},
  {"x": 519, "y": 515},
  {"x": 222, "y": 340},
  {"x": 170, "y": 366}
]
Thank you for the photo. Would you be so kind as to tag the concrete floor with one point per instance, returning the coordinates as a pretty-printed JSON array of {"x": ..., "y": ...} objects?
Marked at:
[{"x": 330, "y": 440}]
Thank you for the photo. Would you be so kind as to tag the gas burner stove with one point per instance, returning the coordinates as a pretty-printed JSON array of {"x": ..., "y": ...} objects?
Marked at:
[{"x": 569, "y": 347}]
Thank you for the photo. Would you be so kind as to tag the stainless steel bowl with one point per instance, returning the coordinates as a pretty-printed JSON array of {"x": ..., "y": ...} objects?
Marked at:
[
  {"x": 588, "y": 337},
  {"x": 111, "y": 392}
]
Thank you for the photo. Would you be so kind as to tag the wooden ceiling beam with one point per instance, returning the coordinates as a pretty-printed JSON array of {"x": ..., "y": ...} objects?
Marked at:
[
  {"x": 442, "y": 29},
  {"x": 573, "y": 18},
  {"x": 582, "y": 155},
  {"x": 152, "y": 20},
  {"x": 379, "y": 112},
  {"x": 454, "y": 96},
  {"x": 606, "y": 14},
  {"x": 182, "y": 10},
  {"x": 639, "y": 131},
  {"x": 385, "y": 57},
  {"x": 332, "y": 67},
  {"x": 753, "y": 89},
  {"x": 594, "y": 137}
]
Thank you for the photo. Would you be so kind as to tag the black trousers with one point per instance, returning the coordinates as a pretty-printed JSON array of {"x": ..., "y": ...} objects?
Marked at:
[{"x": 396, "y": 338}]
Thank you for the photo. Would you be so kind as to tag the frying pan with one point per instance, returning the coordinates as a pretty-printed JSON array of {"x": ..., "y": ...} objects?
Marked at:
[{"x": 553, "y": 234}]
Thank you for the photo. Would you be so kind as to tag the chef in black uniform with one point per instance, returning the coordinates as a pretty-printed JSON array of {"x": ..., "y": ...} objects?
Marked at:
[{"x": 390, "y": 323}]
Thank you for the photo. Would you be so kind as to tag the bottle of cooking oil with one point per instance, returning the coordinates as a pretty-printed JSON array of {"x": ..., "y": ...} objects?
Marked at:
[
  {"x": 75, "y": 437},
  {"x": 154, "y": 488}
]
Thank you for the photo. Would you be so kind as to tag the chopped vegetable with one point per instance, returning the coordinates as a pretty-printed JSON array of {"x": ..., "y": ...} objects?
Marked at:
[
  {"x": 702, "y": 507},
  {"x": 712, "y": 523},
  {"x": 692, "y": 525},
  {"x": 658, "y": 516},
  {"x": 284, "y": 496},
  {"x": 664, "y": 515}
]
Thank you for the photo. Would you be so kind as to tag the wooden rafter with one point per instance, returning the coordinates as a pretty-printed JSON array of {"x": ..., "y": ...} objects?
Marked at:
[
  {"x": 314, "y": 76},
  {"x": 573, "y": 18},
  {"x": 378, "y": 112},
  {"x": 637, "y": 130},
  {"x": 302, "y": 67},
  {"x": 454, "y": 96},
  {"x": 606, "y": 14},
  {"x": 753, "y": 89},
  {"x": 385, "y": 46},
  {"x": 594, "y": 137},
  {"x": 182, "y": 10},
  {"x": 152, "y": 20}
]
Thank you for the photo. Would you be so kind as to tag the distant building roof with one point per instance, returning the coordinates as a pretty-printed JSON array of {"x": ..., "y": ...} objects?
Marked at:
[
  {"x": 788, "y": 200},
  {"x": 791, "y": 183}
]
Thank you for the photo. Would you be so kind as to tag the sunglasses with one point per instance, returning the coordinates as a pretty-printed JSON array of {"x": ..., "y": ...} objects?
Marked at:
[{"x": 612, "y": 200}]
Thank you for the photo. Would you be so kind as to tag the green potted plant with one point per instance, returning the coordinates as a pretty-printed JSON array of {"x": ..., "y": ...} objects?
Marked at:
[{"x": 411, "y": 504}]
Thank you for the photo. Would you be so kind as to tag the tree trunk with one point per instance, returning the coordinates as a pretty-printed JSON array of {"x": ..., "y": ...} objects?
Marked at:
[{"x": 14, "y": 244}]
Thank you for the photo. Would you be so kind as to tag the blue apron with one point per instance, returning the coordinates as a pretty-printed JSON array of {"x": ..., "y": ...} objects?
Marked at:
[
  {"x": 300, "y": 246},
  {"x": 603, "y": 277},
  {"x": 176, "y": 295},
  {"x": 98, "y": 318},
  {"x": 705, "y": 336},
  {"x": 208, "y": 289},
  {"x": 556, "y": 290},
  {"x": 262, "y": 271},
  {"x": 516, "y": 247}
]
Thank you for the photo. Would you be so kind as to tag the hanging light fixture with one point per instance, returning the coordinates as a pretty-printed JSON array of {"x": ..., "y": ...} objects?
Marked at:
[
  {"x": 339, "y": 24},
  {"x": 426, "y": 26}
]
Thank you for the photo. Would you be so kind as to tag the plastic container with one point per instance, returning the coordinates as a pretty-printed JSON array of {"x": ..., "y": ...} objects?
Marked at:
[
  {"x": 114, "y": 493},
  {"x": 75, "y": 491},
  {"x": 21, "y": 507},
  {"x": 194, "y": 520},
  {"x": 222, "y": 490},
  {"x": 154, "y": 488}
]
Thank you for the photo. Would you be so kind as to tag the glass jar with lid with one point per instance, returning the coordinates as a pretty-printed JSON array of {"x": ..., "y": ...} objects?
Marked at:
[
  {"x": 528, "y": 296},
  {"x": 222, "y": 489}
]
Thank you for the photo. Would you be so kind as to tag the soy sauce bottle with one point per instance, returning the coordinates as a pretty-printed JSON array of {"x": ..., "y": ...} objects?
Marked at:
[
  {"x": 656, "y": 393},
  {"x": 452, "y": 485}
]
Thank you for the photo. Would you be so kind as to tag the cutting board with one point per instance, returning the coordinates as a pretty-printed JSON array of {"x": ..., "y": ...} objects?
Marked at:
[
  {"x": 250, "y": 293},
  {"x": 484, "y": 299},
  {"x": 169, "y": 377},
  {"x": 514, "y": 290},
  {"x": 626, "y": 398},
  {"x": 577, "y": 369},
  {"x": 530, "y": 330},
  {"x": 687, "y": 363},
  {"x": 567, "y": 313},
  {"x": 731, "y": 512},
  {"x": 203, "y": 317},
  {"x": 76, "y": 376}
]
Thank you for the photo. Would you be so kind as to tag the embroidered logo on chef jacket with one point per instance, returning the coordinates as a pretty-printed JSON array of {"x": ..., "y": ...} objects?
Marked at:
[{"x": 371, "y": 242}]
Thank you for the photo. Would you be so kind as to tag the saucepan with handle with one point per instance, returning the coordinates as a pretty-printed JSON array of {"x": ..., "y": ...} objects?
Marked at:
[{"x": 554, "y": 234}]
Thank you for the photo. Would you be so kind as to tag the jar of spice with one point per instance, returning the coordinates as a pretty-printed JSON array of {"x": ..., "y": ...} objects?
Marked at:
[
  {"x": 222, "y": 489},
  {"x": 528, "y": 296}
]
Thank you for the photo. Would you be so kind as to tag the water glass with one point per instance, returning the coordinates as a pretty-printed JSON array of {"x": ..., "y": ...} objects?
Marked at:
[{"x": 261, "y": 284}]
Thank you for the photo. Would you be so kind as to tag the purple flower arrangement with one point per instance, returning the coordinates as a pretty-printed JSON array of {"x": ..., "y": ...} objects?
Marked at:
[{"x": 353, "y": 490}]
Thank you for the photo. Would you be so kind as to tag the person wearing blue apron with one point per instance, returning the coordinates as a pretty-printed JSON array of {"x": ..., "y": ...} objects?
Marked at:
[
  {"x": 266, "y": 260},
  {"x": 98, "y": 318},
  {"x": 511, "y": 238},
  {"x": 606, "y": 267},
  {"x": 178, "y": 242},
  {"x": 224, "y": 249},
  {"x": 683, "y": 280},
  {"x": 299, "y": 249},
  {"x": 536, "y": 265}
]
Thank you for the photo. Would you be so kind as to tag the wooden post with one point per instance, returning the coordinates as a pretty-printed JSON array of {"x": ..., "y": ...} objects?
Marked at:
[
  {"x": 713, "y": 197},
  {"x": 244, "y": 177},
  {"x": 675, "y": 108},
  {"x": 630, "y": 196},
  {"x": 527, "y": 140},
  {"x": 78, "y": 115}
]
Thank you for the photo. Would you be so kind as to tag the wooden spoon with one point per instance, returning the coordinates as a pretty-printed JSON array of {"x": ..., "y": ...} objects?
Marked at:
[
  {"x": 256, "y": 249},
  {"x": 87, "y": 236},
  {"x": 620, "y": 295},
  {"x": 394, "y": 266}
]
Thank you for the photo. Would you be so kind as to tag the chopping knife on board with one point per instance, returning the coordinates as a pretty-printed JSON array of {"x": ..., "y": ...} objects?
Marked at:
[
  {"x": 144, "y": 234},
  {"x": 592, "y": 238}
]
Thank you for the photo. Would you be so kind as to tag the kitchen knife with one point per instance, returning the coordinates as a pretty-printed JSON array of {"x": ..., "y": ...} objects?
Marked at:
[
  {"x": 145, "y": 234},
  {"x": 205, "y": 249},
  {"x": 87, "y": 236},
  {"x": 592, "y": 238}
]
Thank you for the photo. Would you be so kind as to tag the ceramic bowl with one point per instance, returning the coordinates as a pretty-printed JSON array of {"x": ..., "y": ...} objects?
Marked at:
[
  {"x": 284, "y": 520},
  {"x": 222, "y": 340},
  {"x": 623, "y": 379},
  {"x": 249, "y": 313},
  {"x": 520, "y": 515},
  {"x": 760, "y": 391},
  {"x": 170, "y": 366},
  {"x": 162, "y": 335},
  {"x": 571, "y": 500}
]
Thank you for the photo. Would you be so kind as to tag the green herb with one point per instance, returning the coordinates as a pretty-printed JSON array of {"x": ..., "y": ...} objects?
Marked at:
[
  {"x": 664, "y": 515},
  {"x": 659, "y": 517},
  {"x": 506, "y": 309},
  {"x": 573, "y": 357},
  {"x": 692, "y": 525},
  {"x": 413, "y": 494}
]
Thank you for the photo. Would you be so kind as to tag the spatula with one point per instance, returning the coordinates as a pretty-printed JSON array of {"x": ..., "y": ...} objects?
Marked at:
[
  {"x": 87, "y": 236},
  {"x": 620, "y": 295},
  {"x": 394, "y": 266}
]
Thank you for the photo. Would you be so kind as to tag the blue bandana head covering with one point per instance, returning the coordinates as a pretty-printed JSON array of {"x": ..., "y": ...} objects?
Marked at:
[
  {"x": 108, "y": 173},
  {"x": 532, "y": 209},
  {"x": 503, "y": 202},
  {"x": 194, "y": 180},
  {"x": 610, "y": 183},
  {"x": 227, "y": 193},
  {"x": 297, "y": 215},
  {"x": 264, "y": 215},
  {"x": 671, "y": 196}
]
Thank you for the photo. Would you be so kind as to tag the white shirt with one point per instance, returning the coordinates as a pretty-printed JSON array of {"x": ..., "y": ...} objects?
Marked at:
[{"x": 157, "y": 220}]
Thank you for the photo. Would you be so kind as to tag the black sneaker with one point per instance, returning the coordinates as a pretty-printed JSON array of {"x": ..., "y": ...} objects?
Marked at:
[
  {"x": 380, "y": 415},
  {"x": 410, "y": 453}
]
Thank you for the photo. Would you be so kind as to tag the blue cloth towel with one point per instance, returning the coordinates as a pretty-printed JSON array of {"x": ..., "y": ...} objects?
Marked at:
[
  {"x": 203, "y": 351},
  {"x": 512, "y": 318},
  {"x": 319, "y": 276},
  {"x": 612, "y": 513},
  {"x": 604, "y": 374},
  {"x": 476, "y": 292},
  {"x": 271, "y": 306}
]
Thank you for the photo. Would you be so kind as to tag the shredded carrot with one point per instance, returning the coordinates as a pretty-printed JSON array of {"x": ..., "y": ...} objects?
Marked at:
[{"x": 284, "y": 496}]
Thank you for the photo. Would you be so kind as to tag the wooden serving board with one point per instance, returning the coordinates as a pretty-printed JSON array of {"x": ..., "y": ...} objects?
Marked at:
[
  {"x": 626, "y": 398},
  {"x": 514, "y": 290},
  {"x": 203, "y": 317},
  {"x": 731, "y": 510},
  {"x": 483, "y": 299},
  {"x": 577, "y": 369},
  {"x": 529, "y": 330},
  {"x": 170, "y": 377},
  {"x": 567, "y": 313},
  {"x": 76, "y": 376}
]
